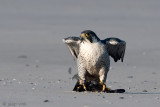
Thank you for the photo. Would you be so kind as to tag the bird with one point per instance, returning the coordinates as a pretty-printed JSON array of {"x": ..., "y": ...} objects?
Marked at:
[{"x": 93, "y": 56}]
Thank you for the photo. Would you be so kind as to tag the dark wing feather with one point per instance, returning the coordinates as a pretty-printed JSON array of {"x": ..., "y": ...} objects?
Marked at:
[
  {"x": 116, "y": 48},
  {"x": 73, "y": 45}
]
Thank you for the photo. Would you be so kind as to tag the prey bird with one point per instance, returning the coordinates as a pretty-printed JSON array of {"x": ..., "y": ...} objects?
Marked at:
[{"x": 92, "y": 55}]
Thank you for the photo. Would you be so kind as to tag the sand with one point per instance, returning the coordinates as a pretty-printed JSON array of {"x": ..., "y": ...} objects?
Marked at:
[{"x": 36, "y": 67}]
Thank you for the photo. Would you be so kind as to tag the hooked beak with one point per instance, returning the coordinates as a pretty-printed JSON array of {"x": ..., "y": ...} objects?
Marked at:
[{"x": 84, "y": 35}]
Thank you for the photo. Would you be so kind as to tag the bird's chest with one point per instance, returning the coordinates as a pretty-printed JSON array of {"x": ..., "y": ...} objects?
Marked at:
[{"x": 91, "y": 52}]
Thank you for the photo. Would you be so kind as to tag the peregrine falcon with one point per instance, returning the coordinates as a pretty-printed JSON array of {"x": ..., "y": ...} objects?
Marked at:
[{"x": 92, "y": 55}]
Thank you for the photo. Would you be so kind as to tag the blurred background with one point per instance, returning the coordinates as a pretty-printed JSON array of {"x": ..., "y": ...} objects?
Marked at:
[
  {"x": 36, "y": 67},
  {"x": 31, "y": 33}
]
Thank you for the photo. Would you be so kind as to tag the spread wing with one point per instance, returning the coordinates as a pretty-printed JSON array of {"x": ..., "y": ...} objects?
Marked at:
[
  {"x": 73, "y": 45},
  {"x": 116, "y": 48}
]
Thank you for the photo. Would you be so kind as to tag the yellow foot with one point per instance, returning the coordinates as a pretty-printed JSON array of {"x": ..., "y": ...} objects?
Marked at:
[
  {"x": 84, "y": 87},
  {"x": 103, "y": 86},
  {"x": 79, "y": 87}
]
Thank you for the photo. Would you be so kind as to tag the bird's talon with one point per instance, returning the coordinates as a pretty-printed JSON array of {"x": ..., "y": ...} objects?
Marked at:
[
  {"x": 103, "y": 86},
  {"x": 78, "y": 87},
  {"x": 84, "y": 87}
]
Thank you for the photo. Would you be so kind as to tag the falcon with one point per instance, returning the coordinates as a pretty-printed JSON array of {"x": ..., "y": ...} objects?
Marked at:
[{"x": 92, "y": 55}]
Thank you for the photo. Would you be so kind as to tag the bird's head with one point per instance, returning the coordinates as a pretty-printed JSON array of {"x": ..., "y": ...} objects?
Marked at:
[{"x": 90, "y": 36}]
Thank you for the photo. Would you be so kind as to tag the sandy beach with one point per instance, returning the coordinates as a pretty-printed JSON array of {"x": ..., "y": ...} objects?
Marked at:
[{"x": 36, "y": 67}]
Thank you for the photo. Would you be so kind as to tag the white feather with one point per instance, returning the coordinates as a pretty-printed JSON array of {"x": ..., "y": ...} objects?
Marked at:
[
  {"x": 91, "y": 51},
  {"x": 113, "y": 42}
]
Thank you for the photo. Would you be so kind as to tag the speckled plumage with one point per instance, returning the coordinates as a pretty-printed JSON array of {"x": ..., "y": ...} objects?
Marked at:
[
  {"x": 93, "y": 61},
  {"x": 93, "y": 55}
]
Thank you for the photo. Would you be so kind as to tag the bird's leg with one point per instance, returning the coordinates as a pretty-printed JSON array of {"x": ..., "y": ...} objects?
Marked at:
[
  {"x": 103, "y": 76},
  {"x": 79, "y": 87},
  {"x": 103, "y": 86},
  {"x": 82, "y": 73},
  {"x": 82, "y": 82},
  {"x": 84, "y": 87}
]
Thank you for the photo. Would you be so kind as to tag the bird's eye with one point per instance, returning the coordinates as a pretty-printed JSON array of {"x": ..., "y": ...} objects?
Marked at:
[{"x": 86, "y": 35}]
